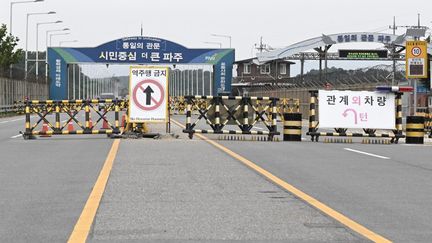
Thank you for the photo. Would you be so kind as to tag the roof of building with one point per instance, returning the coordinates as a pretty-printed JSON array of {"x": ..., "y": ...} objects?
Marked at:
[{"x": 255, "y": 61}]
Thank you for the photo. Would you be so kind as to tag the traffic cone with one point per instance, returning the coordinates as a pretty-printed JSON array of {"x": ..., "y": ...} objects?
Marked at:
[
  {"x": 105, "y": 124},
  {"x": 45, "y": 130},
  {"x": 123, "y": 122},
  {"x": 70, "y": 127}
]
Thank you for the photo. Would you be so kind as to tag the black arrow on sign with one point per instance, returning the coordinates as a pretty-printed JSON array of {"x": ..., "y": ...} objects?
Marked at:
[{"x": 148, "y": 91}]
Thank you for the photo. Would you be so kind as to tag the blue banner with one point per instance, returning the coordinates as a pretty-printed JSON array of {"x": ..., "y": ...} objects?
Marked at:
[{"x": 138, "y": 50}]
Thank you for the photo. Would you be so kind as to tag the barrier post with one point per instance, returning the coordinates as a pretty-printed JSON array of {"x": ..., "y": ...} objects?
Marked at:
[
  {"x": 415, "y": 130},
  {"x": 274, "y": 118},
  {"x": 292, "y": 127},
  {"x": 116, "y": 116},
  {"x": 217, "y": 101},
  {"x": 57, "y": 116},
  {"x": 28, "y": 130},
  {"x": 399, "y": 113},
  {"x": 312, "y": 113},
  {"x": 87, "y": 115},
  {"x": 189, "y": 116},
  {"x": 245, "y": 104}
]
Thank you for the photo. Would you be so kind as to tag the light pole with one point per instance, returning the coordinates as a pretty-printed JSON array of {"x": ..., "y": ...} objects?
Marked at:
[
  {"x": 225, "y": 36},
  {"x": 214, "y": 43},
  {"x": 67, "y": 41},
  {"x": 49, "y": 31},
  {"x": 26, "y": 51},
  {"x": 11, "y": 5},
  {"x": 37, "y": 43},
  {"x": 10, "y": 21},
  {"x": 46, "y": 56},
  {"x": 68, "y": 33}
]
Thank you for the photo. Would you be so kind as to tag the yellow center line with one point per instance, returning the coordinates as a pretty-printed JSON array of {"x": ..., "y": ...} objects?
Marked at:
[
  {"x": 298, "y": 193},
  {"x": 85, "y": 221}
]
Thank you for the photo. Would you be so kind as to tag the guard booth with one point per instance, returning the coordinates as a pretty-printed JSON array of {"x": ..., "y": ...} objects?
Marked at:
[{"x": 193, "y": 71}]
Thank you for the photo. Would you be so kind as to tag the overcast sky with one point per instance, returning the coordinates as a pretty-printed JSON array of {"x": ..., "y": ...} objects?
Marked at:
[{"x": 191, "y": 22}]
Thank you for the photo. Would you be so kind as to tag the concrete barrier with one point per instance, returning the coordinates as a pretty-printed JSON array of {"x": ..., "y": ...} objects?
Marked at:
[
  {"x": 292, "y": 127},
  {"x": 415, "y": 130}
]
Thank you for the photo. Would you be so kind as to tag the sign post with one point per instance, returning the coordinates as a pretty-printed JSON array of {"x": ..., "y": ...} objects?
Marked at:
[
  {"x": 416, "y": 59},
  {"x": 148, "y": 92},
  {"x": 416, "y": 64}
]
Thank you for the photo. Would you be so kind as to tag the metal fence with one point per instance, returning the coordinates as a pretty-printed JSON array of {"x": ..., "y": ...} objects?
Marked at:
[{"x": 12, "y": 90}]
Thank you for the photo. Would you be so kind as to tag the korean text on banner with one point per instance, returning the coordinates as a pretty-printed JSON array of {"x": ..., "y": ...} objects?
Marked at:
[
  {"x": 356, "y": 109},
  {"x": 148, "y": 92}
]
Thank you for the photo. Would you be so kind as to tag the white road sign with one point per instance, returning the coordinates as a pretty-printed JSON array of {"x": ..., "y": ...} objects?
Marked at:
[
  {"x": 356, "y": 109},
  {"x": 148, "y": 92}
]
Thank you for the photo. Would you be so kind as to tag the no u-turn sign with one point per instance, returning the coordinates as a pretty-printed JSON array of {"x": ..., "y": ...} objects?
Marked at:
[{"x": 148, "y": 92}]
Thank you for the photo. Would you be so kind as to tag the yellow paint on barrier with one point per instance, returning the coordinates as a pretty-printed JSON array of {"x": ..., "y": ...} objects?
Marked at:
[
  {"x": 300, "y": 194},
  {"x": 85, "y": 221}
]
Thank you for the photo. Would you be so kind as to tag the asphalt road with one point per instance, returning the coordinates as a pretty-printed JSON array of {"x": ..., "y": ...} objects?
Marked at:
[
  {"x": 387, "y": 190},
  {"x": 181, "y": 190},
  {"x": 45, "y": 183}
]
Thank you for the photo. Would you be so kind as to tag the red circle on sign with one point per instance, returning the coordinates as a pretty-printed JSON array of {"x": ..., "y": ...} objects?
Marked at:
[
  {"x": 416, "y": 51},
  {"x": 157, "y": 103}
]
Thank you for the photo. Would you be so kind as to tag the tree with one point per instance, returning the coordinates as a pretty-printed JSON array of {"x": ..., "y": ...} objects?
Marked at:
[{"x": 8, "y": 54}]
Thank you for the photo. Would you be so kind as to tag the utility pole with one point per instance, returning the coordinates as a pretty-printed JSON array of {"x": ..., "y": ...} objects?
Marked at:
[
  {"x": 394, "y": 27},
  {"x": 416, "y": 36},
  {"x": 261, "y": 47}
]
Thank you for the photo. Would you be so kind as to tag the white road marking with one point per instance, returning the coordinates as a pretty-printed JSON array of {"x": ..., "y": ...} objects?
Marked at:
[
  {"x": 16, "y": 136},
  {"x": 259, "y": 128},
  {"x": 365, "y": 153},
  {"x": 2, "y": 122}
]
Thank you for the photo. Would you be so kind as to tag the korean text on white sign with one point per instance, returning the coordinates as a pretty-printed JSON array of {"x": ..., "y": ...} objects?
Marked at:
[
  {"x": 356, "y": 109},
  {"x": 148, "y": 92}
]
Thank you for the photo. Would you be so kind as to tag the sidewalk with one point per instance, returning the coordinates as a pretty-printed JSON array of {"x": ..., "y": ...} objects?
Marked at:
[{"x": 181, "y": 190}]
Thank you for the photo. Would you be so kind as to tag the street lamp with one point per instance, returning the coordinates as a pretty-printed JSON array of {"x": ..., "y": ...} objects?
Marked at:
[
  {"x": 37, "y": 43},
  {"x": 26, "y": 51},
  {"x": 10, "y": 21},
  {"x": 11, "y": 5},
  {"x": 67, "y": 41},
  {"x": 49, "y": 31},
  {"x": 214, "y": 43},
  {"x": 225, "y": 36},
  {"x": 68, "y": 33}
]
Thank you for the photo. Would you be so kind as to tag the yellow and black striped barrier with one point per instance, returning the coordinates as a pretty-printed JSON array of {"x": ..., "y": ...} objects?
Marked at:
[
  {"x": 221, "y": 111},
  {"x": 288, "y": 105},
  {"x": 427, "y": 120},
  {"x": 71, "y": 108},
  {"x": 415, "y": 130},
  {"x": 292, "y": 127},
  {"x": 177, "y": 105}
]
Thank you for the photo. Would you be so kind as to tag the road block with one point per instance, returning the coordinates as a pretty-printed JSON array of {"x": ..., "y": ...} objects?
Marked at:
[
  {"x": 44, "y": 109},
  {"x": 292, "y": 127},
  {"x": 235, "y": 110},
  {"x": 415, "y": 130},
  {"x": 427, "y": 114}
]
